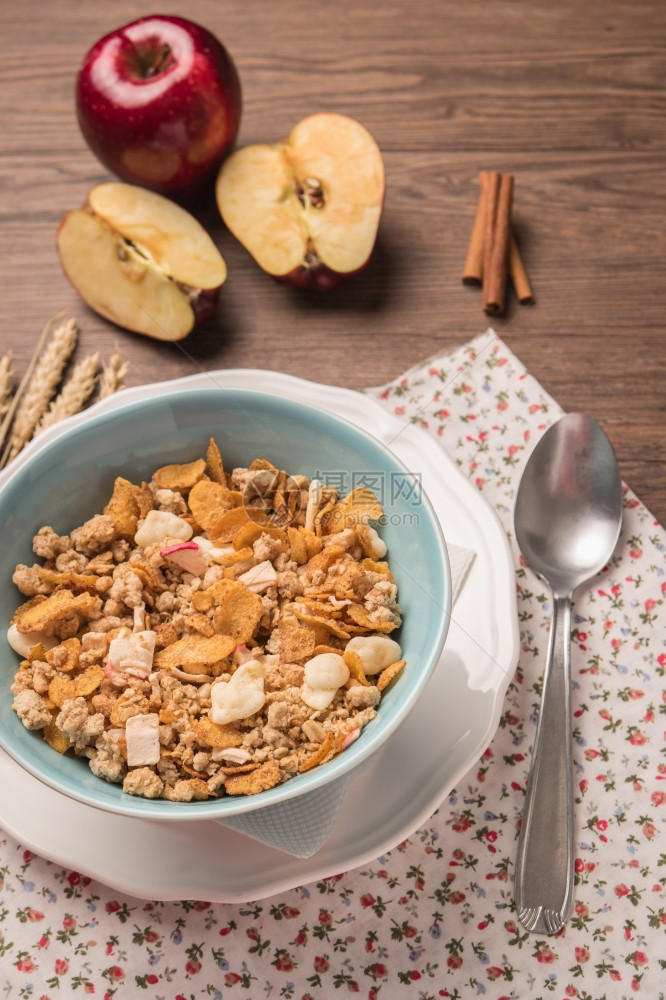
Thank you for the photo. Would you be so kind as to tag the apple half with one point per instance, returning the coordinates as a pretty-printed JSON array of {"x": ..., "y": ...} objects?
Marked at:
[
  {"x": 307, "y": 209},
  {"x": 141, "y": 261}
]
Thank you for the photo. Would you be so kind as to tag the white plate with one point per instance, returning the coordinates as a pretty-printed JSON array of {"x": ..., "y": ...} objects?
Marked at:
[{"x": 441, "y": 738}]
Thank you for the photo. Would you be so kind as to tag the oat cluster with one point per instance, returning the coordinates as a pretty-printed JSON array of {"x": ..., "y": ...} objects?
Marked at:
[{"x": 209, "y": 633}]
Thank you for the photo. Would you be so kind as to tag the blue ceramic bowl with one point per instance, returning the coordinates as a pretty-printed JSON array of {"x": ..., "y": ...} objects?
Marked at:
[{"x": 70, "y": 478}]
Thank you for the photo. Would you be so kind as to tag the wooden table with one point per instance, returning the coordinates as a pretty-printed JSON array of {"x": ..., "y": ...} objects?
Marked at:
[{"x": 569, "y": 97}]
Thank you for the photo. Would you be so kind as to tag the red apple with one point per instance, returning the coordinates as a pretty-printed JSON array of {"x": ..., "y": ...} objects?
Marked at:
[
  {"x": 308, "y": 208},
  {"x": 159, "y": 103},
  {"x": 141, "y": 261}
]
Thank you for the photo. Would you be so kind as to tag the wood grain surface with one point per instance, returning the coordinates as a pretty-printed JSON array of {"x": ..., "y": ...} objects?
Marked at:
[{"x": 568, "y": 97}]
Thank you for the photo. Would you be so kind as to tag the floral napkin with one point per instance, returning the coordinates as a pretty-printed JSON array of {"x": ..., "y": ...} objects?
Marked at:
[{"x": 434, "y": 917}]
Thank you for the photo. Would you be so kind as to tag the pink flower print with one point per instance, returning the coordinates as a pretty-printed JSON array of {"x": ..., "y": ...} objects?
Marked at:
[
  {"x": 494, "y": 972},
  {"x": 399, "y": 411},
  {"x": 649, "y": 831},
  {"x": 116, "y": 972},
  {"x": 658, "y": 798},
  {"x": 622, "y": 890},
  {"x": 367, "y": 899},
  {"x": 320, "y": 963},
  {"x": 545, "y": 954},
  {"x": 284, "y": 963},
  {"x": 61, "y": 965},
  {"x": 34, "y": 916},
  {"x": 582, "y": 954},
  {"x": 25, "y": 965},
  {"x": 193, "y": 966}
]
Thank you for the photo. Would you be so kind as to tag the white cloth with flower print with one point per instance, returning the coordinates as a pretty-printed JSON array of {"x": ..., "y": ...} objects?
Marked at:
[{"x": 434, "y": 917}]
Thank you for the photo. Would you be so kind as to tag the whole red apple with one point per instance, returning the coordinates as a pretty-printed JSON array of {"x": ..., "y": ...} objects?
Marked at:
[{"x": 159, "y": 103}]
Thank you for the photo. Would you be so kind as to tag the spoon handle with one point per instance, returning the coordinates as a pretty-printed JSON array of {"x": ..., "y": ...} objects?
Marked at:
[{"x": 544, "y": 863}]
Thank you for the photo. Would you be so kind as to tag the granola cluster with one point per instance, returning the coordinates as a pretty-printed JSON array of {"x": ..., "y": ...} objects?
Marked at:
[{"x": 208, "y": 633}]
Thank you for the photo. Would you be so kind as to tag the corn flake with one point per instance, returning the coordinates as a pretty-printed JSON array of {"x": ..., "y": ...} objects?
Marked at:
[
  {"x": 294, "y": 642},
  {"x": 325, "y": 751},
  {"x": 195, "y": 650},
  {"x": 42, "y": 616},
  {"x": 219, "y": 737},
  {"x": 61, "y": 689},
  {"x": 180, "y": 477},
  {"x": 325, "y": 623},
  {"x": 88, "y": 681},
  {"x": 65, "y": 656},
  {"x": 214, "y": 463},
  {"x": 55, "y": 738},
  {"x": 361, "y": 616},
  {"x": 388, "y": 674},
  {"x": 225, "y": 527},
  {"x": 248, "y": 534},
  {"x": 80, "y": 580},
  {"x": 123, "y": 508},
  {"x": 208, "y": 501},
  {"x": 260, "y": 780},
  {"x": 262, "y": 464},
  {"x": 355, "y": 665},
  {"x": 238, "y": 611}
]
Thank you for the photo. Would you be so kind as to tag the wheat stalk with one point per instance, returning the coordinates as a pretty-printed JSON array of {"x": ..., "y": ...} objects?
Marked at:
[
  {"x": 5, "y": 384},
  {"x": 74, "y": 394},
  {"x": 113, "y": 375},
  {"x": 41, "y": 387},
  {"x": 13, "y": 406}
]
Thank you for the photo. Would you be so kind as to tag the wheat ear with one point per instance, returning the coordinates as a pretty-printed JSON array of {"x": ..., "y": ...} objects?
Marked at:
[
  {"x": 113, "y": 375},
  {"x": 42, "y": 386},
  {"x": 73, "y": 396},
  {"x": 5, "y": 384}
]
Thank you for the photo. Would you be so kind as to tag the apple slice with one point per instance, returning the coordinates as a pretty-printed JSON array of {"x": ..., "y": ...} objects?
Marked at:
[
  {"x": 308, "y": 208},
  {"x": 141, "y": 261}
]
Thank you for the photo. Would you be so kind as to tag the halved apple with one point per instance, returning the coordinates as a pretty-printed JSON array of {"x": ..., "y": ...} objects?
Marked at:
[
  {"x": 308, "y": 208},
  {"x": 141, "y": 261}
]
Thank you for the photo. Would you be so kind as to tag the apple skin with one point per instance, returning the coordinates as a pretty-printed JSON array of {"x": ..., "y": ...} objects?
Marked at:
[{"x": 159, "y": 103}]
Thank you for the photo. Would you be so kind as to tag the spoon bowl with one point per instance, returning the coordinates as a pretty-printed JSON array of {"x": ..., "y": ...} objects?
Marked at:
[
  {"x": 569, "y": 504},
  {"x": 567, "y": 519}
]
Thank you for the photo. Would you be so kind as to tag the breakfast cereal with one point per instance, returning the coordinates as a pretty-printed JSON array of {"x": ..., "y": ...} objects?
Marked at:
[{"x": 209, "y": 633}]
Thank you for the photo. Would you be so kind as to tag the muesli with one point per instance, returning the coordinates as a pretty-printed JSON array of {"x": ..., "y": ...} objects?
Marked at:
[{"x": 209, "y": 633}]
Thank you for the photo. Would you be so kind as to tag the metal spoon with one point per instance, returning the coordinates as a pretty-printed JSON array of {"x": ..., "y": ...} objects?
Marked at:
[{"x": 567, "y": 519}]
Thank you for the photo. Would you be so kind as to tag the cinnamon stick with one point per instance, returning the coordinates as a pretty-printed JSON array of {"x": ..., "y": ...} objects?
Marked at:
[
  {"x": 498, "y": 235},
  {"x": 518, "y": 274},
  {"x": 492, "y": 194},
  {"x": 473, "y": 270}
]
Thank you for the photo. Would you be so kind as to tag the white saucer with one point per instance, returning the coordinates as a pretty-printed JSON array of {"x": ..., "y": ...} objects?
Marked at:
[{"x": 442, "y": 737}]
